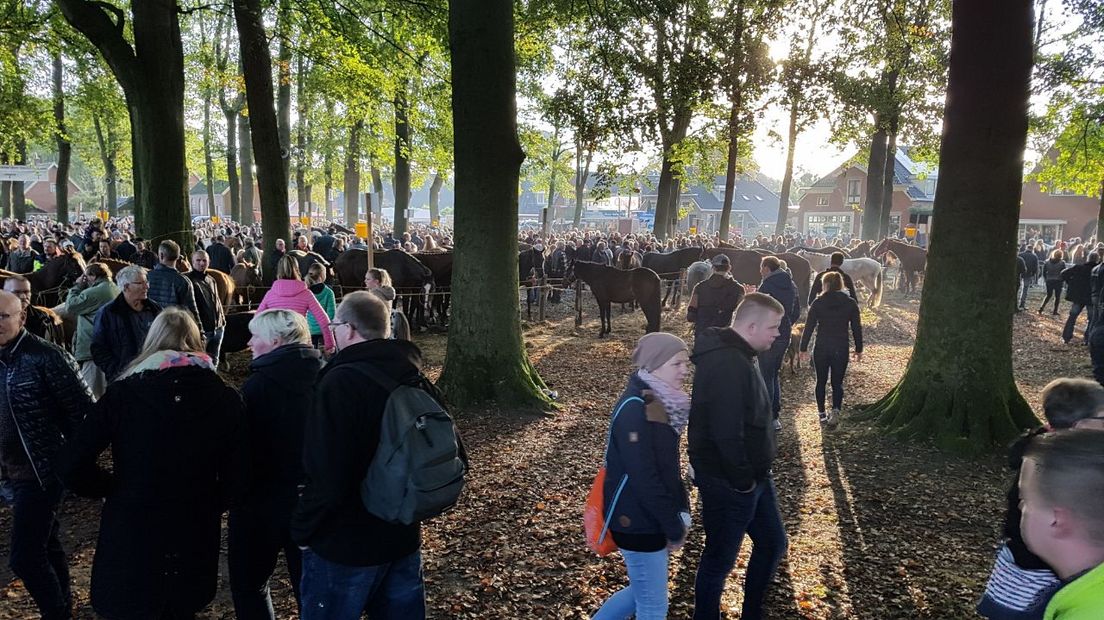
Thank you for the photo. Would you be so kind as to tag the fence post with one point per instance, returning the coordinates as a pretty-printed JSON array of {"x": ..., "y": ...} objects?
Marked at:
[
  {"x": 678, "y": 291},
  {"x": 578, "y": 303},
  {"x": 543, "y": 284}
]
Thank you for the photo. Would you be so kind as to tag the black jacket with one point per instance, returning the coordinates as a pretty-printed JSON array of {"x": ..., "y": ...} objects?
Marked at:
[
  {"x": 1096, "y": 282},
  {"x": 780, "y": 286},
  {"x": 221, "y": 257},
  {"x": 178, "y": 459},
  {"x": 277, "y": 398},
  {"x": 818, "y": 285},
  {"x": 731, "y": 434},
  {"x": 1078, "y": 283},
  {"x": 46, "y": 398},
  {"x": 169, "y": 287},
  {"x": 126, "y": 251},
  {"x": 1031, "y": 262},
  {"x": 118, "y": 333},
  {"x": 1052, "y": 269},
  {"x": 341, "y": 437},
  {"x": 713, "y": 302},
  {"x": 644, "y": 452},
  {"x": 830, "y": 316},
  {"x": 45, "y": 325},
  {"x": 211, "y": 315}
]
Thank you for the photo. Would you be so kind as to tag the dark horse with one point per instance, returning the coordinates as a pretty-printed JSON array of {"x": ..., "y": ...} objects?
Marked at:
[
  {"x": 440, "y": 264},
  {"x": 52, "y": 281},
  {"x": 862, "y": 250},
  {"x": 669, "y": 267},
  {"x": 913, "y": 260},
  {"x": 745, "y": 268},
  {"x": 610, "y": 284},
  {"x": 409, "y": 276}
]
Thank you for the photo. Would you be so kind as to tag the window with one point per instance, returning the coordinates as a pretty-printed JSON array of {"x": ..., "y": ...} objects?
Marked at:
[
  {"x": 829, "y": 225},
  {"x": 1064, "y": 192},
  {"x": 853, "y": 191},
  {"x": 53, "y": 188},
  {"x": 822, "y": 201}
]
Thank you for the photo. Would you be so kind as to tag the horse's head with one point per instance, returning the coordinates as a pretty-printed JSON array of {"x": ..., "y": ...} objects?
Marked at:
[
  {"x": 880, "y": 249},
  {"x": 66, "y": 268}
]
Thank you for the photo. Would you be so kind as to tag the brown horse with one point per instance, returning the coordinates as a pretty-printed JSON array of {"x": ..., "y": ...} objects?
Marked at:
[
  {"x": 53, "y": 279},
  {"x": 247, "y": 285},
  {"x": 745, "y": 268},
  {"x": 913, "y": 260},
  {"x": 861, "y": 250}
]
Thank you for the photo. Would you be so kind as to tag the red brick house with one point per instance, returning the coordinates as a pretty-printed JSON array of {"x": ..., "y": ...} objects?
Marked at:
[
  {"x": 44, "y": 193},
  {"x": 1058, "y": 215}
]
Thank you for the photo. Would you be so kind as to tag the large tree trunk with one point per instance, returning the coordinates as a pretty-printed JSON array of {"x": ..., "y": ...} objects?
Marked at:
[
  {"x": 730, "y": 167},
  {"x": 352, "y": 175},
  {"x": 245, "y": 154},
  {"x": 402, "y": 160},
  {"x": 787, "y": 177},
  {"x": 232, "y": 165},
  {"x": 435, "y": 199},
  {"x": 959, "y": 387},
  {"x": 283, "y": 81},
  {"x": 875, "y": 183},
  {"x": 887, "y": 186},
  {"x": 271, "y": 172},
  {"x": 64, "y": 146},
  {"x": 661, "y": 221},
  {"x": 486, "y": 357},
  {"x": 377, "y": 189},
  {"x": 106, "y": 142}
]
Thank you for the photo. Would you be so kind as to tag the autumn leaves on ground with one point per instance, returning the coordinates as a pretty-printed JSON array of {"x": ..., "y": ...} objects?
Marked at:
[{"x": 878, "y": 529}]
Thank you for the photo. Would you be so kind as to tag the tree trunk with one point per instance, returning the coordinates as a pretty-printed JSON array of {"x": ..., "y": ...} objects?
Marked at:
[
  {"x": 887, "y": 186},
  {"x": 283, "y": 79},
  {"x": 352, "y": 175},
  {"x": 377, "y": 187},
  {"x": 245, "y": 154},
  {"x": 486, "y": 357},
  {"x": 787, "y": 177},
  {"x": 660, "y": 223},
  {"x": 730, "y": 167},
  {"x": 64, "y": 146},
  {"x": 550, "y": 207},
  {"x": 19, "y": 198},
  {"x": 402, "y": 160},
  {"x": 232, "y": 165},
  {"x": 959, "y": 387},
  {"x": 582, "y": 173},
  {"x": 327, "y": 173},
  {"x": 208, "y": 156},
  {"x": 302, "y": 192},
  {"x": 106, "y": 142},
  {"x": 875, "y": 182},
  {"x": 271, "y": 171},
  {"x": 435, "y": 199}
]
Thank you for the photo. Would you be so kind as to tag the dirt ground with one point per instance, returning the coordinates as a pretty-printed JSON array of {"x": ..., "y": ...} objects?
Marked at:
[{"x": 878, "y": 529}]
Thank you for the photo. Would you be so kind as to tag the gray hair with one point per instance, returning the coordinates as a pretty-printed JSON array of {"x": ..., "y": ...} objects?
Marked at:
[
  {"x": 283, "y": 326},
  {"x": 129, "y": 275}
]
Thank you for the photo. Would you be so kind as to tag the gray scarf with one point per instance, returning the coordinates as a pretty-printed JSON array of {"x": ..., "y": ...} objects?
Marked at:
[{"x": 675, "y": 401}]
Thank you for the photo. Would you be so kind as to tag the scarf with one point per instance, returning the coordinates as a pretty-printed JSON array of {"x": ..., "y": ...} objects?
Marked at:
[
  {"x": 162, "y": 360},
  {"x": 675, "y": 401}
]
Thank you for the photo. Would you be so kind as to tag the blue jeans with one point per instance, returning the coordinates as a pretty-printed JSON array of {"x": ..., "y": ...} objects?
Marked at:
[
  {"x": 646, "y": 595},
  {"x": 1025, "y": 283},
  {"x": 726, "y": 516},
  {"x": 214, "y": 343},
  {"x": 36, "y": 554},
  {"x": 1071, "y": 320},
  {"x": 770, "y": 364},
  {"x": 334, "y": 591}
]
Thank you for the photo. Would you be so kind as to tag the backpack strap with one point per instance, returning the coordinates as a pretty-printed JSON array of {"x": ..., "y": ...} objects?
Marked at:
[{"x": 609, "y": 435}]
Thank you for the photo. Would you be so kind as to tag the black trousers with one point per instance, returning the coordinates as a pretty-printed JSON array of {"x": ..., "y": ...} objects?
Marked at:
[
  {"x": 1054, "y": 287},
  {"x": 255, "y": 542},
  {"x": 829, "y": 362}
]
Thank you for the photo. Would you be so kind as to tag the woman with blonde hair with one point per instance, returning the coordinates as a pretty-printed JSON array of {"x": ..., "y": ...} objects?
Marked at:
[
  {"x": 176, "y": 433},
  {"x": 378, "y": 282},
  {"x": 291, "y": 293}
]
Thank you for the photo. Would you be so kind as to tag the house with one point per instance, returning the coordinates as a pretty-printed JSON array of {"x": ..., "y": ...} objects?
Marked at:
[
  {"x": 43, "y": 194},
  {"x": 197, "y": 198},
  {"x": 754, "y": 205},
  {"x": 833, "y": 204}
]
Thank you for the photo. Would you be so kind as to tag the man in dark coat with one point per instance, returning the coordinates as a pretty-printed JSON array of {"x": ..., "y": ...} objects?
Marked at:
[
  {"x": 126, "y": 249},
  {"x": 1078, "y": 280},
  {"x": 353, "y": 560},
  {"x": 167, "y": 286},
  {"x": 714, "y": 299},
  {"x": 1031, "y": 273},
  {"x": 43, "y": 400},
  {"x": 731, "y": 443},
  {"x": 220, "y": 256},
  {"x": 837, "y": 266},
  {"x": 777, "y": 283},
  {"x": 121, "y": 326},
  {"x": 212, "y": 318},
  {"x": 39, "y": 321}
]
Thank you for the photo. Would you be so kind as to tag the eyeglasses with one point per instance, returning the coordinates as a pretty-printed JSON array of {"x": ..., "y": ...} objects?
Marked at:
[{"x": 334, "y": 324}]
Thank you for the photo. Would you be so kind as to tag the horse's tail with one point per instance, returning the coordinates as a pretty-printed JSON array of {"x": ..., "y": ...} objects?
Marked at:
[{"x": 876, "y": 298}]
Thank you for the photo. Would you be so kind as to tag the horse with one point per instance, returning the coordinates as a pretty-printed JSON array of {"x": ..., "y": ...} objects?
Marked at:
[
  {"x": 913, "y": 260},
  {"x": 827, "y": 250},
  {"x": 697, "y": 273},
  {"x": 409, "y": 276},
  {"x": 629, "y": 259},
  {"x": 307, "y": 258},
  {"x": 440, "y": 264},
  {"x": 52, "y": 280},
  {"x": 247, "y": 284},
  {"x": 865, "y": 271},
  {"x": 236, "y": 336},
  {"x": 531, "y": 264},
  {"x": 672, "y": 264},
  {"x": 861, "y": 250},
  {"x": 745, "y": 268},
  {"x": 610, "y": 284}
]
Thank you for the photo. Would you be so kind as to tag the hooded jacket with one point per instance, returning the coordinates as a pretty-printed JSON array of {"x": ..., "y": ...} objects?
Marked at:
[
  {"x": 731, "y": 433},
  {"x": 713, "y": 301},
  {"x": 295, "y": 296},
  {"x": 830, "y": 316},
  {"x": 780, "y": 285},
  {"x": 83, "y": 303}
]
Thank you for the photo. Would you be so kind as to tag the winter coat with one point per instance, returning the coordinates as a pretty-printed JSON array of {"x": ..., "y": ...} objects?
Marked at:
[
  {"x": 46, "y": 398},
  {"x": 118, "y": 333},
  {"x": 126, "y": 251},
  {"x": 1031, "y": 262},
  {"x": 731, "y": 433},
  {"x": 340, "y": 440},
  {"x": 780, "y": 285},
  {"x": 818, "y": 284},
  {"x": 643, "y": 458},
  {"x": 1052, "y": 269},
  {"x": 830, "y": 316},
  {"x": 178, "y": 453},
  {"x": 221, "y": 257},
  {"x": 83, "y": 304},
  {"x": 277, "y": 398},
  {"x": 1078, "y": 281},
  {"x": 23, "y": 261},
  {"x": 325, "y": 297},
  {"x": 713, "y": 302},
  {"x": 208, "y": 303},
  {"x": 169, "y": 287},
  {"x": 295, "y": 296}
]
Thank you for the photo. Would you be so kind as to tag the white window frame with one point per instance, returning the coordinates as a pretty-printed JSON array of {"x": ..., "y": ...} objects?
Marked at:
[{"x": 822, "y": 201}]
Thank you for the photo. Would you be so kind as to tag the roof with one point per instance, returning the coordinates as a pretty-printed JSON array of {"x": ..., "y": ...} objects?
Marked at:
[
  {"x": 906, "y": 172},
  {"x": 200, "y": 189},
  {"x": 750, "y": 196}
]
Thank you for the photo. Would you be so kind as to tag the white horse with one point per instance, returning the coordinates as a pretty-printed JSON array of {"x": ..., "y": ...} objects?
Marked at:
[
  {"x": 697, "y": 273},
  {"x": 865, "y": 271}
]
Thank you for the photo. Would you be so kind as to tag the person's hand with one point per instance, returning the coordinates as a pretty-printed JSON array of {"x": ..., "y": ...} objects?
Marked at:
[
  {"x": 675, "y": 545},
  {"x": 857, "y": 355},
  {"x": 805, "y": 357},
  {"x": 750, "y": 288}
]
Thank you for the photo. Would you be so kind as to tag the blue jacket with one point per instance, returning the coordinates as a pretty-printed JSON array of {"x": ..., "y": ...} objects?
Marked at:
[
  {"x": 780, "y": 286},
  {"x": 642, "y": 462},
  {"x": 118, "y": 333},
  {"x": 169, "y": 287}
]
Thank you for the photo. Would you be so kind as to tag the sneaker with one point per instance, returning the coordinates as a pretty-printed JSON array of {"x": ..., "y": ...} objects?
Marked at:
[
  {"x": 823, "y": 417},
  {"x": 833, "y": 418},
  {"x": 777, "y": 424}
]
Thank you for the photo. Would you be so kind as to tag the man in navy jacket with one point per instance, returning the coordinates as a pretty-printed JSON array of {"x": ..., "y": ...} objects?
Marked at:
[{"x": 777, "y": 283}]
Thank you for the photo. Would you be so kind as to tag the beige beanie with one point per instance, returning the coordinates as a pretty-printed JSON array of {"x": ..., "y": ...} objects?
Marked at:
[{"x": 653, "y": 350}]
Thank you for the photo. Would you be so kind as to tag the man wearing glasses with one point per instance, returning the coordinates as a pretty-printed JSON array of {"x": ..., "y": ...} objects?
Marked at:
[
  {"x": 40, "y": 322},
  {"x": 121, "y": 326}
]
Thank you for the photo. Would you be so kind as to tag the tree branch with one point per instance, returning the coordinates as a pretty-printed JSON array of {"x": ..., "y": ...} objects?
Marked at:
[{"x": 92, "y": 20}]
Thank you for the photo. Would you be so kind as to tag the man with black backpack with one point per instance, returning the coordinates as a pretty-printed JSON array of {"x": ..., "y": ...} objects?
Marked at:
[{"x": 357, "y": 557}]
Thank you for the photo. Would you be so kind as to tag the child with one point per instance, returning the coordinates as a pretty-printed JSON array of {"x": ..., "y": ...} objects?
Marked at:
[
  {"x": 1020, "y": 582},
  {"x": 1062, "y": 491}
]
